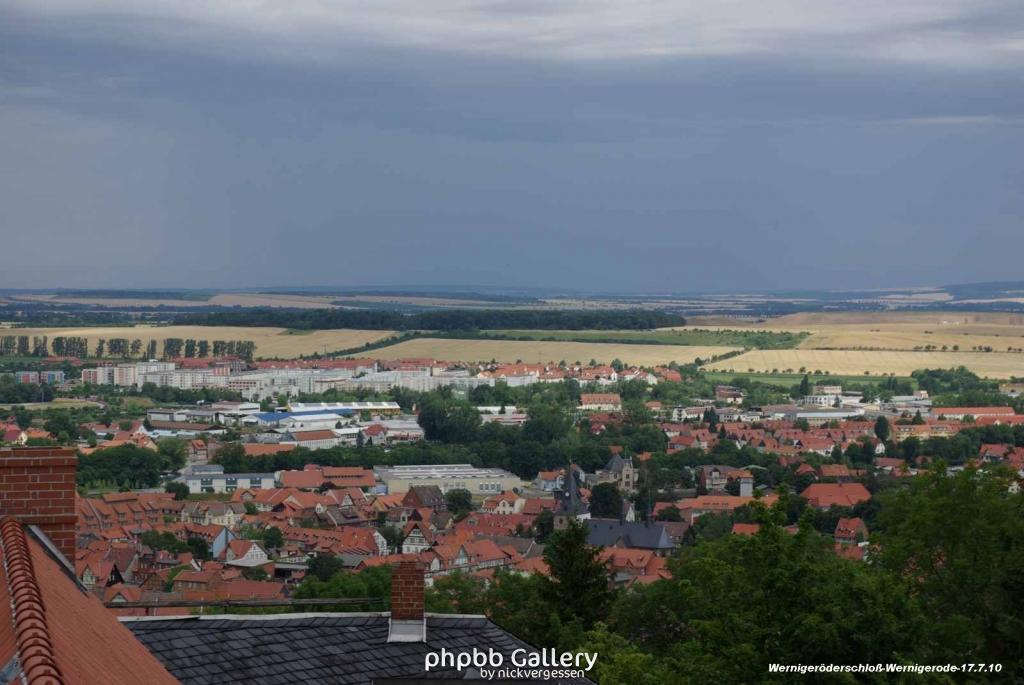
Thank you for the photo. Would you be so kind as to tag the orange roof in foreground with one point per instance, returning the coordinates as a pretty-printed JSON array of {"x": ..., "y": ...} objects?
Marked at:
[{"x": 60, "y": 633}]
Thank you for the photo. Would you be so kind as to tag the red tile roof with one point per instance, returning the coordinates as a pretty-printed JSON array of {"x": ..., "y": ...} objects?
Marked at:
[
  {"x": 824, "y": 495},
  {"x": 59, "y": 633},
  {"x": 303, "y": 436},
  {"x": 255, "y": 449},
  {"x": 600, "y": 398}
]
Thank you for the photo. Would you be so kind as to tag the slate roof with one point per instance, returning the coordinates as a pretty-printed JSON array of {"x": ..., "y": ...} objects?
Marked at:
[
  {"x": 633, "y": 535},
  {"x": 309, "y": 648}
]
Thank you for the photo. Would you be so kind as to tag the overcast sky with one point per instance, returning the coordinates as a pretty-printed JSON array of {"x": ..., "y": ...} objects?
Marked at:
[{"x": 647, "y": 145}]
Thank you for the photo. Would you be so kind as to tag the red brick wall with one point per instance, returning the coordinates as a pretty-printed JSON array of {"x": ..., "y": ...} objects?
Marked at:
[
  {"x": 37, "y": 486},
  {"x": 407, "y": 591}
]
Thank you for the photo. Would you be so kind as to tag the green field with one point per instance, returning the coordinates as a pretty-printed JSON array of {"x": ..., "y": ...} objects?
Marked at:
[
  {"x": 764, "y": 340},
  {"x": 788, "y": 380},
  {"x": 59, "y": 403}
]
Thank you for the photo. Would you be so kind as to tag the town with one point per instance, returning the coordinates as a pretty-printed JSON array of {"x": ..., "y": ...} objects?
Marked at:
[{"x": 305, "y": 480}]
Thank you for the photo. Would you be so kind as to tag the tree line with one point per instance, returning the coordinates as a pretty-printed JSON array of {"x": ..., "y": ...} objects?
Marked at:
[
  {"x": 122, "y": 348},
  {"x": 444, "y": 320}
]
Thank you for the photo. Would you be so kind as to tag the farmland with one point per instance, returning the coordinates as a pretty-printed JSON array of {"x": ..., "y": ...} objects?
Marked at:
[
  {"x": 545, "y": 351},
  {"x": 668, "y": 336},
  {"x": 270, "y": 342},
  {"x": 990, "y": 365},
  {"x": 954, "y": 331}
]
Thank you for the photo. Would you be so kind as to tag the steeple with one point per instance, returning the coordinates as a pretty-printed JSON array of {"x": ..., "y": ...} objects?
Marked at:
[{"x": 570, "y": 505}]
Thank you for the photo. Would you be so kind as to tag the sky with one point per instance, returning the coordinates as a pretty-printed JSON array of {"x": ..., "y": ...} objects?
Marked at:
[{"x": 596, "y": 145}]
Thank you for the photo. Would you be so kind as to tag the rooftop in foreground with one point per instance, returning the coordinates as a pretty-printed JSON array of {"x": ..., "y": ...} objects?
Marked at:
[{"x": 312, "y": 648}]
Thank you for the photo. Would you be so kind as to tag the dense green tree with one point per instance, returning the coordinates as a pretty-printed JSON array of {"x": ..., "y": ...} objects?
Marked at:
[
  {"x": 546, "y": 423},
  {"x": 199, "y": 547},
  {"x": 459, "y": 502},
  {"x": 737, "y": 604},
  {"x": 372, "y": 584},
  {"x": 393, "y": 535},
  {"x": 882, "y": 429},
  {"x": 125, "y": 465},
  {"x": 959, "y": 540},
  {"x": 324, "y": 566},
  {"x": 543, "y": 525},
  {"x": 255, "y": 573},
  {"x": 669, "y": 514},
  {"x": 578, "y": 588},
  {"x": 179, "y": 489},
  {"x": 273, "y": 538},
  {"x": 448, "y": 420},
  {"x": 174, "y": 453},
  {"x": 605, "y": 501},
  {"x": 61, "y": 424},
  {"x": 458, "y": 593}
]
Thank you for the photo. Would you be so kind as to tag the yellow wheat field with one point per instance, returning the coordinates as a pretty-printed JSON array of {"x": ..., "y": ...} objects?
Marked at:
[
  {"x": 532, "y": 352},
  {"x": 965, "y": 331},
  {"x": 270, "y": 342},
  {"x": 854, "y": 362}
]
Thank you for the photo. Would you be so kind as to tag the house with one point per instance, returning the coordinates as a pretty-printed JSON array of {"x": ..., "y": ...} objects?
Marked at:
[
  {"x": 851, "y": 531},
  {"x": 810, "y": 443},
  {"x": 620, "y": 472},
  {"x": 12, "y": 434},
  {"x": 600, "y": 401},
  {"x": 506, "y": 503},
  {"x": 197, "y": 452},
  {"x": 314, "y": 439},
  {"x": 245, "y": 553},
  {"x": 425, "y": 496},
  {"x": 746, "y": 528},
  {"x": 549, "y": 481},
  {"x": 417, "y": 537},
  {"x": 638, "y": 535},
  {"x": 728, "y": 394},
  {"x": 714, "y": 477},
  {"x": 630, "y": 566},
  {"x": 692, "y": 508},
  {"x": 260, "y": 449},
  {"x": 212, "y": 479},
  {"x": 825, "y": 495},
  {"x": 313, "y": 477},
  {"x": 209, "y": 513},
  {"x": 746, "y": 481},
  {"x": 839, "y": 472}
]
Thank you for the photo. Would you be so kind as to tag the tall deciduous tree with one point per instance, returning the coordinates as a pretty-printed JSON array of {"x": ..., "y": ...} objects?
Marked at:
[{"x": 605, "y": 501}]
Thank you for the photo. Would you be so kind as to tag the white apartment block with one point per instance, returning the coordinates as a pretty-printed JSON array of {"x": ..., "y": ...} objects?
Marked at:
[
  {"x": 124, "y": 375},
  {"x": 187, "y": 379}
]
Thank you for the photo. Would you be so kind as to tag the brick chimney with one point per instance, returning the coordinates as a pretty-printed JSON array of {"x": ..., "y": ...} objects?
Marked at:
[
  {"x": 407, "y": 623},
  {"x": 37, "y": 487}
]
